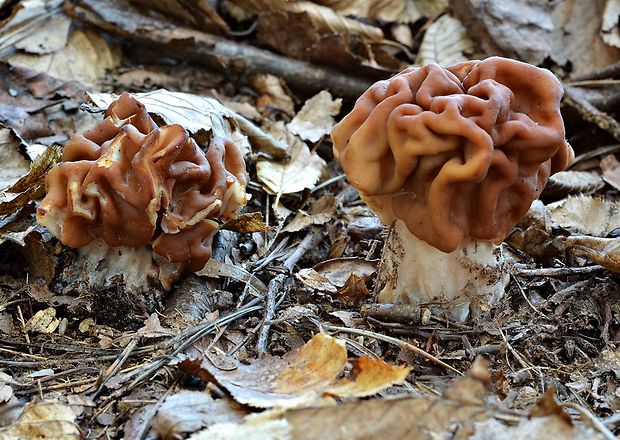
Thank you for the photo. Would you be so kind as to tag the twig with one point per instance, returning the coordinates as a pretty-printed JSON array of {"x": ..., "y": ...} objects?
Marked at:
[
  {"x": 606, "y": 72},
  {"x": 557, "y": 271},
  {"x": 526, "y": 298},
  {"x": 270, "y": 310},
  {"x": 590, "y": 113},
  {"x": 402, "y": 313},
  {"x": 328, "y": 182},
  {"x": 394, "y": 341},
  {"x": 309, "y": 242},
  {"x": 596, "y": 423},
  {"x": 117, "y": 364},
  {"x": 141, "y": 431}
]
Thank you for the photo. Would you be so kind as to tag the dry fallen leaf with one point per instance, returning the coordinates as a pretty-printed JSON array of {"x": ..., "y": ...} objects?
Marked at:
[
  {"x": 566, "y": 183},
  {"x": 189, "y": 411},
  {"x": 388, "y": 10},
  {"x": 316, "y": 117},
  {"x": 44, "y": 420},
  {"x": 586, "y": 215},
  {"x": 301, "y": 171},
  {"x": 273, "y": 93},
  {"x": 445, "y": 43},
  {"x": 44, "y": 321},
  {"x": 610, "y": 31},
  {"x": 603, "y": 251},
  {"x": 610, "y": 166},
  {"x": 303, "y": 377},
  {"x": 247, "y": 223},
  {"x": 321, "y": 211},
  {"x": 86, "y": 58},
  {"x": 14, "y": 163},
  {"x": 354, "y": 291}
]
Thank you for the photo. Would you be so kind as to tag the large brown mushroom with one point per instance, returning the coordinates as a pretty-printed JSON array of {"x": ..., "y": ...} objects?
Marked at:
[
  {"x": 130, "y": 186},
  {"x": 453, "y": 158}
]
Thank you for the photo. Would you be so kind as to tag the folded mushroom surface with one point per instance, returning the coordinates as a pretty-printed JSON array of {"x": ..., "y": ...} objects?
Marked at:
[
  {"x": 455, "y": 152},
  {"x": 132, "y": 183}
]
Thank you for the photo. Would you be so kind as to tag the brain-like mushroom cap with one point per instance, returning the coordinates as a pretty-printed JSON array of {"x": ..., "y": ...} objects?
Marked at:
[
  {"x": 131, "y": 184},
  {"x": 455, "y": 152}
]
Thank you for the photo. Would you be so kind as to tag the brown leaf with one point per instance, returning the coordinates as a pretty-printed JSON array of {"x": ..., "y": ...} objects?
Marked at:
[
  {"x": 44, "y": 321},
  {"x": 611, "y": 170},
  {"x": 247, "y": 223},
  {"x": 273, "y": 93},
  {"x": 321, "y": 211},
  {"x": 388, "y": 10},
  {"x": 354, "y": 291},
  {"x": 547, "y": 406}
]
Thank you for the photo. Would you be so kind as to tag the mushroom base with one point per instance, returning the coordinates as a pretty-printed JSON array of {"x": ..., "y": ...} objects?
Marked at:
[
  {"x": 464, "y": 283},
  {"x": 121, "y": 285}
]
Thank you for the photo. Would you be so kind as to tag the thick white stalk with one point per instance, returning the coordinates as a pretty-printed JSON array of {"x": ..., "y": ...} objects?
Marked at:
[{"x": 463, "y": 283}]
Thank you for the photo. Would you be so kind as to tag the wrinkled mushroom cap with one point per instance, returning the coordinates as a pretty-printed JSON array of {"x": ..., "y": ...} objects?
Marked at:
[
  {"x": 132, "y": 183},
  {"x": 455, "y": 152}
]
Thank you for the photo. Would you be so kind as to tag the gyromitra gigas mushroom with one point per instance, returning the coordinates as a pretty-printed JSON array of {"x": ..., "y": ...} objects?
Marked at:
[
  {"x": 452, "y": 157},
  {"x": 131, "y": 186}
]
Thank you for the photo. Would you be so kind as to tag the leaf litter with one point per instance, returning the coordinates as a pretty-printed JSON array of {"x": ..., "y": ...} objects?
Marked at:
[{"x": 279, "y": 330}]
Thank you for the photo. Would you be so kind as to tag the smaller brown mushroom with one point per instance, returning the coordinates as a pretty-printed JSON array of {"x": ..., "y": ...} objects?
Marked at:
[
  {"x": 453, "y": 158},
  {"x": 128, "y": 186}
]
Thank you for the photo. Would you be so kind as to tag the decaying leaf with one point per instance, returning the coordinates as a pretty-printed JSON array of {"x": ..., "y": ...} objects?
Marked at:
[
  {"x": 303, "y": 377},
  {"x": 31, "y": 185},
  {"x": 44, "y": 321},
  {"x": 44, "y": 420},
  {"x": 86, "y": 57},
  {"x": 586, "y": 215},
  {"x": 14, "y": 164},
  {"x": 321, "y": 211},
  {"x": 273, "y": 93},
  {"x": 400, "y": 11},
  {"x": 322, "y": 18},
  {"x": 445, "y": 43},
  {"x": 247, "y": 223},
  {"x": 189, "y": 411},
  {"x": 610, "y": 166},
  {"x": 573, "y": 182},
  {"x": 50, "y": 36},
  {"x": 301, "y": 171},
  {"x": 332, "y": 276},
  {"x": 153, "y": 329},
  {"x": 354, "y": 291},
  {"x": 603, "y": 251},
  {"x": 316, "y": 117}
]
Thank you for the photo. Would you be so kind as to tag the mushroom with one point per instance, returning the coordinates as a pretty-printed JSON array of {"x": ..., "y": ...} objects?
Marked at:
[
  {"x": 147, "y": 199},
  {"x": 452, "y": 158}
]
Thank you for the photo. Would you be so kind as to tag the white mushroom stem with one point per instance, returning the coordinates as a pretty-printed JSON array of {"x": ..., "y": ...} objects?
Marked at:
[{"x": 460, "y": 284}]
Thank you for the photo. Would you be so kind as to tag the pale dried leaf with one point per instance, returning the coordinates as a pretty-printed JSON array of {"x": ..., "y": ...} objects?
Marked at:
[
  {"x": 301, "y": 171},
  {"x": 445, "y": 43},
  {"x": 339, "y": 270},
  {"x": 401, "y": 11},
  {"x": 44, "y": 420},
  {"x": 603, "y": 251},
  {"x": 14, "y": 164},
  {"x": 189, "y": 411},
  {"x": 255, "y": 428},
  {"x": 586, "y": 215},
  {"x": 610, "y": 30},
  {"x": 50, "y": 36},
  {"x": 247, "y": 223},
  {"x": 323, "y": 19},
  {"x": 6, "y": 393},
  {"x": 153, "y": 329},
  {"x": 44, "y": 321},
  {"x": 316, "y": 117},
  {"x": 321, "y": 211},
  {"x": 314, "y": 280},
  {"x": 86, "y": 58}
]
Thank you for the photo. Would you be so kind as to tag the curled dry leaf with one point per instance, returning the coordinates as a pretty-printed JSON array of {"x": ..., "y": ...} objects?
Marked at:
[
  {"x": 316, "y": 117},
  {"x": 31, "y": 185},
  {"x": 44, "y": 420},
  {"x": 610, "y": 30},
  {"x": 566, "y": 183},
  {"x": 586, "y": 215},
  {"x": 303, "y": 377},
  {"x": 86, "y": 58},
  {"x": 603, "y": 251},
  {"x": 388, "y": 10},
  {"x": 273, "y": 93},
  {"x": 445, "y": 43},
  {"x": 301, "y": 171},
  {"x": 610, "y": 167},
  {"x": 323, "y": 19},
  {"x": 247, "y": 223},
  {"x": 14, "y": 164},
  {"x": 332, "y": 275},
  {"x": 189, "y": 411},
  {"x": 321, "y": 211},
  {"x": 44, "y": 321}
]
